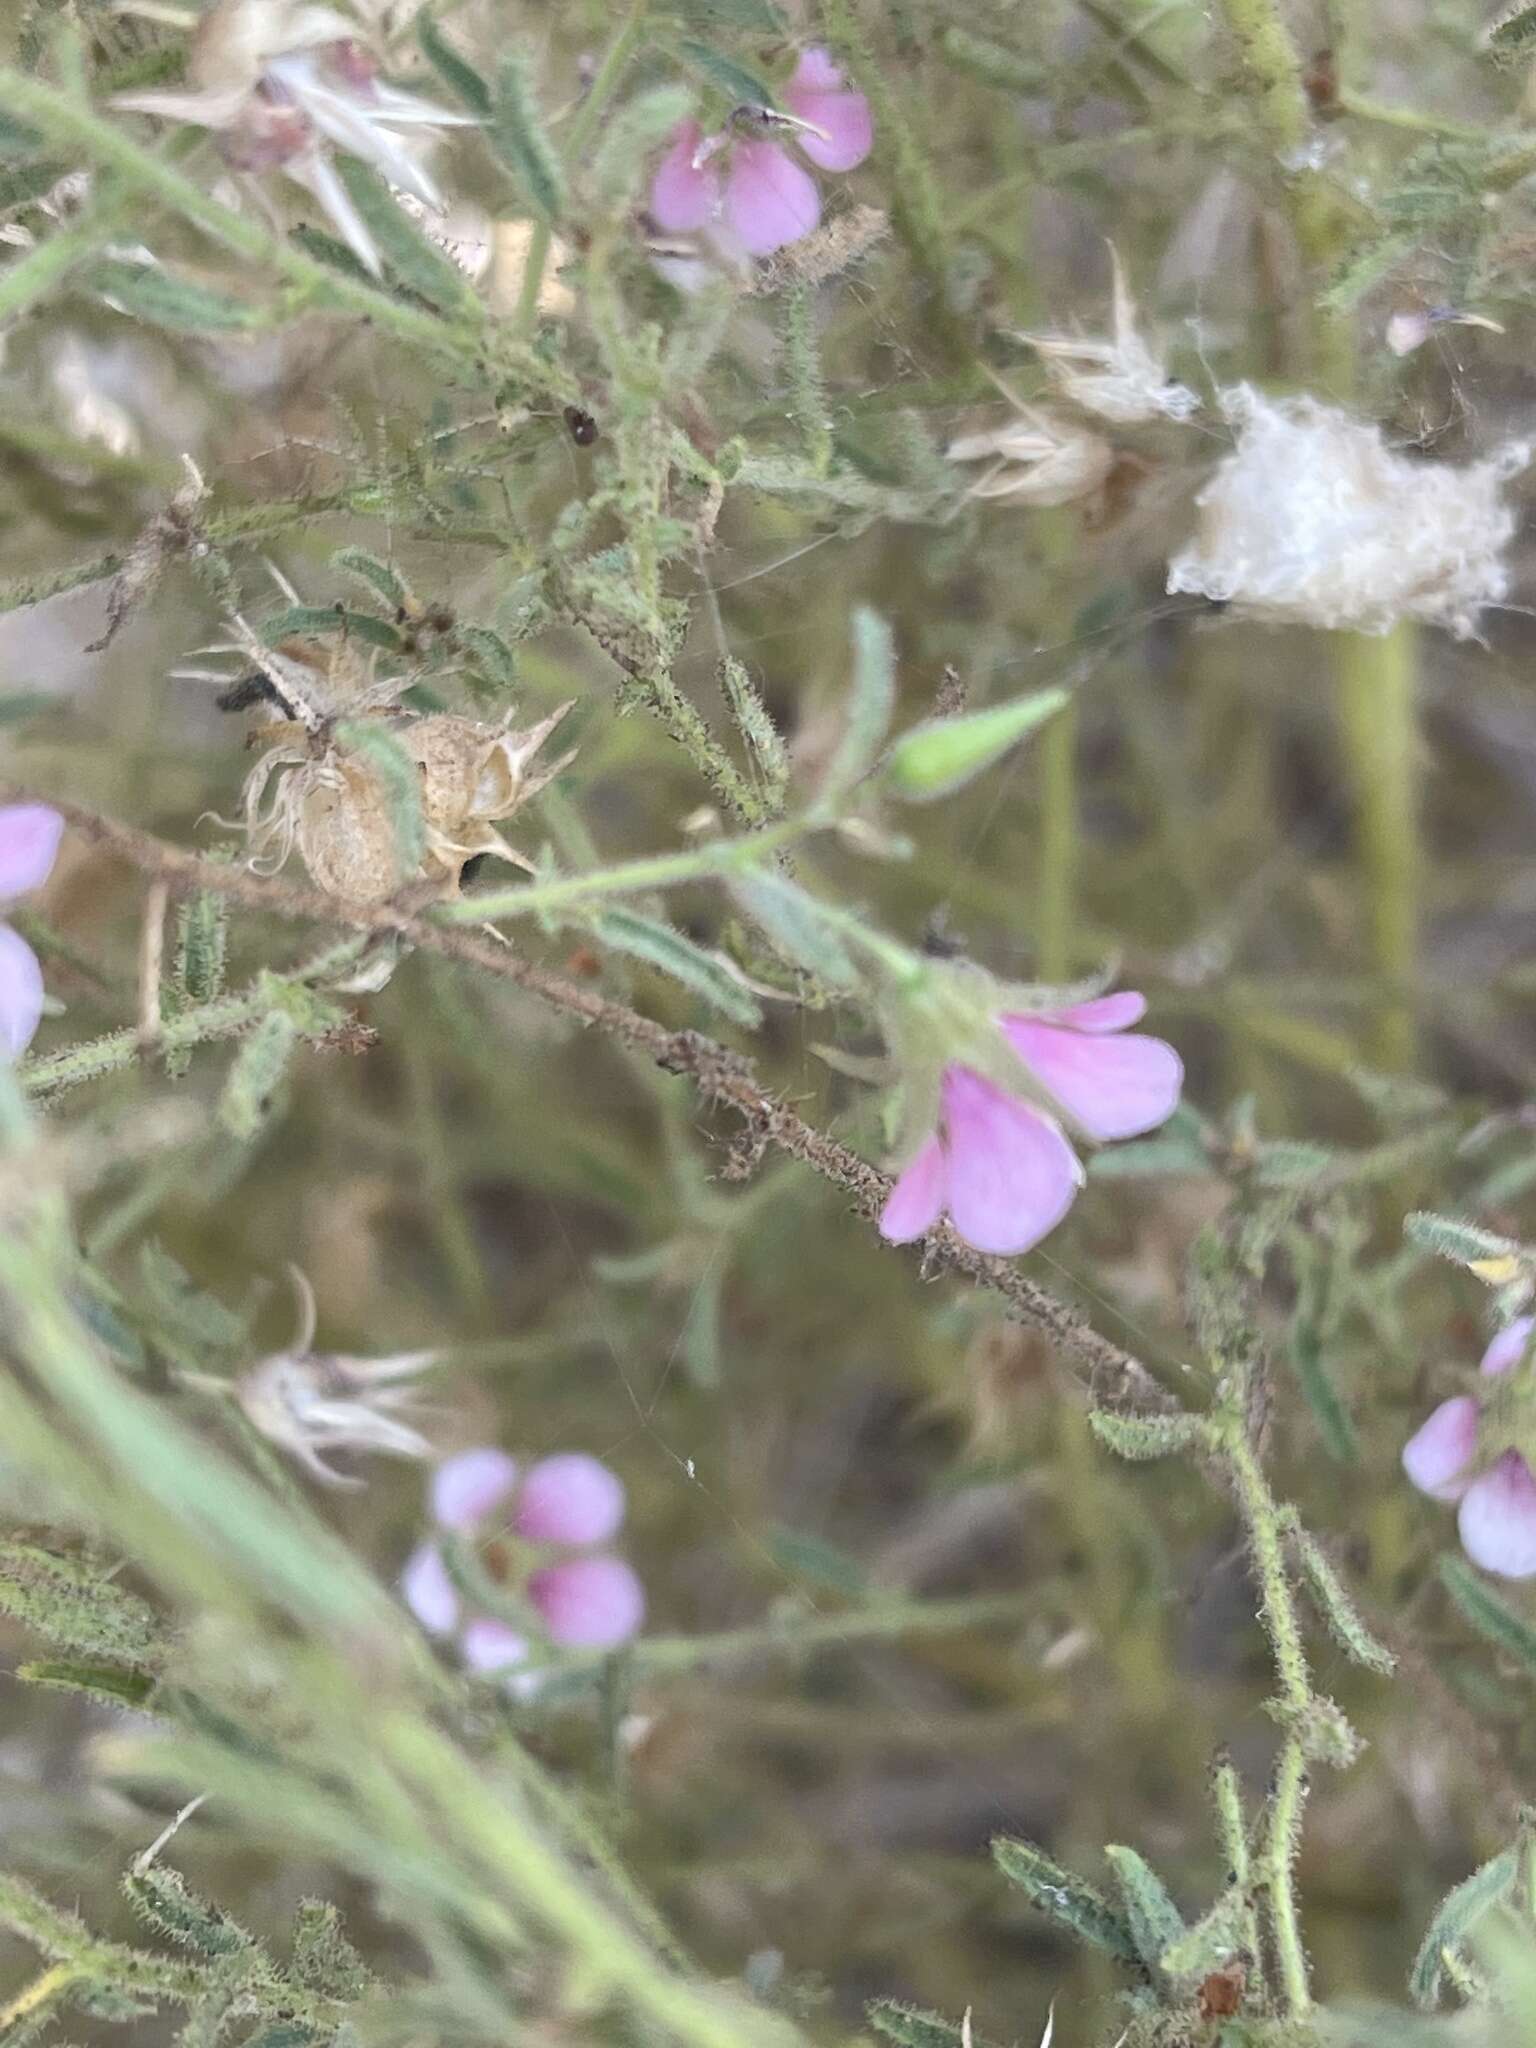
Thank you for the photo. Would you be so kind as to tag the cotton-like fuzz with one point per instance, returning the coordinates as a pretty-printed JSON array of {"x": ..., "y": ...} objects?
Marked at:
[{"x": 1313, "y": 520}]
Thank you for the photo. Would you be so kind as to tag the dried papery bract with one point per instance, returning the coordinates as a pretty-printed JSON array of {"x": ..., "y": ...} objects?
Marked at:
[
  {"x": 1118, "y": 379},
  {"x": 1039, "y": 457},
  {"x": 474, "y": 776},
  {"x": 310, "y": 1402},
  {"x": 1313, "y": 520}
]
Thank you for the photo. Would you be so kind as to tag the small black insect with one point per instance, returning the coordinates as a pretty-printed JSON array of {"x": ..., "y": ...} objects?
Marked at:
[
  {"x": 255, "y": 688},
  {"x": 583, "y": 428}
]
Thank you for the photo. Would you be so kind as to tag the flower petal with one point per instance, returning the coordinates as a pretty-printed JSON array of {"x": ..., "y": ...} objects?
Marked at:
[
  {"x": 588, "y": 1603},
  {"x": 818, "y": 93},
  {"x": 488, "y": 1646},
  {"x": 1437, "y": 1456},
  {"x": 471, "y": 1485},
  {"x": 1498, "y": 1519},
  {"x": 1508, "y": 1348},
  {"x": 572, "y": 1498},
  {"x": 770, "y": 200},
  {"x": 684, "y": 197},
  {"x": 1012, "y": 1175},
  {"x": 428, "y": 1591},
  {"x": 29, "y": 844},
  {"x": 1114, "y": 1087},
  {"x": 21, "y": 994},
  {"x": 1103, "y": 1013},
  {"x": 916, "y": 1202}
]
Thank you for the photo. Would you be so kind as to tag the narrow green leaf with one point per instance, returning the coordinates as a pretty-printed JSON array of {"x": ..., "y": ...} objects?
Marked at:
[
  {"x": 1140, "y": 1437},
  {"x": 162, "y": 299},
  {"x": 1155, "y": 1922},
  {"x": 741, "y": 86},
  {"x": 255, "y": 1074},
  {"x": 1449, "y": 1238},
  {"x": 460, "y": 77},
  {"x": 379, "y": 576},
  {"x": 1322, "y": 1397},
  {"x": 113, "y": 1685},
  {"x": 943, "y": 754},
  {"x": 409, "y": 256},
  {"x": 1487, "y": 1613},
  {"x": 1456, "y": 1916},
  {"x": 161, "y": 1898},
  {"x": 310, "y": 620},
  {"x": 1064, "y": 1896},
  {"x": 73, "y": 1603},
  {"x": 911, "y": 2026},
  {"x": 871, "y": 700},
  {"x": 1214, "y": 1939},
  {"x": 1331, "y": 1598},
  {"x": 516, "y": 132},
  {"x": 661, "y": 945},
  {"x": 1512, "y": 38},
  {"x": 792, "y": 919}
]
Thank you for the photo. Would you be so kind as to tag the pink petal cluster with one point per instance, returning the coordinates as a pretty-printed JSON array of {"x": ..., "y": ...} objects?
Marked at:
[
  {"x": 1001, "y": 1168},
  {"x": 29, "y": 843},
  {"x": 1497, "y": 1513},
  {"x": 571, "y": 1502},
  {"x": 751, "y": 196}
]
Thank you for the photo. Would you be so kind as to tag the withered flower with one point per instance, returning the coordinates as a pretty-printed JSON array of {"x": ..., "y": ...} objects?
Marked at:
[{"x": 281, "y": 83}]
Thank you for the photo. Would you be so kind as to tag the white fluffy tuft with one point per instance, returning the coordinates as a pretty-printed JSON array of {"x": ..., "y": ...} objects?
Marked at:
[{"x": 1313, "y": 520}]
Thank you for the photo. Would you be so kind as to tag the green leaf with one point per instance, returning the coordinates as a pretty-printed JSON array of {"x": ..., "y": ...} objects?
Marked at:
[
  {"x": 1215, "y": 1938},
  {"x": 322, "y": 1955},
  {"x": 1329, "y": 1595},
  {"x": 1512, "y": 38},
  {"x": 943, "y": 754},
  {"x": 113, "y": 1685},
  {"x": 1289, "y": 1163},
  {"x": 1457, "y": 1915},
  {"x": 74, "y": 1604},
  {"x": 411, "y": 259},
  {"x": 756, "y": 17},
  {"x": 1154, "y": 1920},
  {"x": 1487, "y": 1613},
  {"x": 1494, "y": 1259},
  {"x": 648, "y": 939},
  {"x": 516, "y": 132},
  {"x": 910, "y": 2026},
  {"x": 379, "y": 576},
  {"x": 1140, "y": 1437},
  {"x": 793, "y": 920},
  {"x": 1064, "y": 1896},
  {"x": 871, "y": 700},
  {"x": 161, "y": 1898},
  {"x": 312, "y": 620},
  {"x": 461, "y": 78},
  {"x": 256, "y": 1073},
  {"x": 202, "y": 933},
  {"x": 1332, "y": 1417},
  {"x": 630, "y": 138},
  {"x": 741, "y": 86},
  {"x": 162, "y": 299},
  {"x": 819, "y": 1563}
]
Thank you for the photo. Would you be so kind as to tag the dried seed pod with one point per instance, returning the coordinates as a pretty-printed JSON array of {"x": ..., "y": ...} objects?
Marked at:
[
  {"x": 345, "y": 832},
  {"x": 473, "y": 776}
]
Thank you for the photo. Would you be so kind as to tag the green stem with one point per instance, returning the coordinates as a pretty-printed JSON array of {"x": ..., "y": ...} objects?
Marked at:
[
  {"x": 1261, "y": 1515},
  {"x": 1058, "y": 844},
  {"x": 222, "y": 1018},
  {"x": 886, "y": 1621},
  {"x": 655, "y": 871},
  {"x": 1379, "y": 728},
  {"x": 582, "y": 133}
]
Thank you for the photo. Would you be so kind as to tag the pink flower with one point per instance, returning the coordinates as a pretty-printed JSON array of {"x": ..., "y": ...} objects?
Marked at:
[
  {"x": 1497, "y": 1515},
  {"x": 1001, "y": 1167},
  {"x": 569, "y": 1502},
  {"x": 765, "y": 199},
  {"x": 29, "y": 842}
]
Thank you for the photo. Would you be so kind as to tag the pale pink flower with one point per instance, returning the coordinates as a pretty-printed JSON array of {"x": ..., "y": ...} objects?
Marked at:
[
  {"x": 749, "y": 195},
  {"x": 1497, "y": 1512},
  {"x": 1001, "y": 1167},
  {"x": 570, "y": 1502},
  {"x": 282, "y": 83},
  {"x": 29, "y": 842}
]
